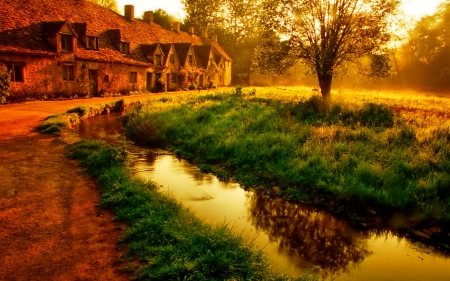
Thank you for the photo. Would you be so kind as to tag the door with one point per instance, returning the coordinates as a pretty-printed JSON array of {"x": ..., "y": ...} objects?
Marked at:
[
  {"x": 149, "y": 81},
  {"x": 93, "y": 83}
]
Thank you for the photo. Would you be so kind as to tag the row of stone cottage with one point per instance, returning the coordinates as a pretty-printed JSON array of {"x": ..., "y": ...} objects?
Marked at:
[{"x": 75, "y": 47}]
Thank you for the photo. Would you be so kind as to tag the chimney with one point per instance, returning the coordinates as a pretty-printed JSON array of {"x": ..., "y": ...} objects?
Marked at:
[
  {"x": 214, "y": 37},
  {"x": 129, "y": 12},
  {"x": 205, "y": 33},
  {"x": 191, "y": 30},
  {"x": 176, "y": 26},
  {"x": 148, "y": 17}
]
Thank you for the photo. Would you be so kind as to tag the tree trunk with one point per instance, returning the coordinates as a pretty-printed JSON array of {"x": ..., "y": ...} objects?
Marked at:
[{"x": 325, "y": 85}]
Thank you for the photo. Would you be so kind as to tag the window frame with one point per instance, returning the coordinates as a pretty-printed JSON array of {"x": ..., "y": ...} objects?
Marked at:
[
  {"x": 66, "y": 43},
  {"x": 68, "y": 72},
  {"x": 125, "y": 47},
  {"x": 133, "y": 77},
  {"x": 92, "y": 42},
  {"x": 14, "y": 69},
  {"x": 158, "y": 59}
]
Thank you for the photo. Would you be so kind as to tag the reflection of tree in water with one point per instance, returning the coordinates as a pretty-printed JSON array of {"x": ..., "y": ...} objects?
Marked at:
[{"x": 315, "y": 236}]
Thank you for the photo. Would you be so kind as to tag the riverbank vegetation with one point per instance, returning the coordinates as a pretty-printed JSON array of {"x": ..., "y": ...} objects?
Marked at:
[
  {"x": 362, "y": 154},
  {"x": 54, "y": 123},
  {"x": 169, "y": 241}
]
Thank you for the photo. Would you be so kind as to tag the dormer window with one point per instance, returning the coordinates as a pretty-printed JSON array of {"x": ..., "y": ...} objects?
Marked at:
[
  {"x": 92, "y": 43},
  {"x": 66, "y": 43},
  {"x": 190, "y": 59},
  {"x": 158, "y": 60},
  {"x": 124, "y": 47},
  {"x": 172, "y": 59}
]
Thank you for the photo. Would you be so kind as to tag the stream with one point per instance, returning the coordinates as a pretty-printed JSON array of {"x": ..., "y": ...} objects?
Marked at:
[{"x": 296, "y": 237}]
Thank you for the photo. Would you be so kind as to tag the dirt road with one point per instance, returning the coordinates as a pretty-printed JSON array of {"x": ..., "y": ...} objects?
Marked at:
[{"x": 50, "y": 225}]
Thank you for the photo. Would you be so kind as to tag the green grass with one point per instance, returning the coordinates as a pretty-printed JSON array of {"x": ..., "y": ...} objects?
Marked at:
[
  {"x": 358, "y": 157},
  {"x": 53, "y": 124},
  {"x": 170, "y": 242}
]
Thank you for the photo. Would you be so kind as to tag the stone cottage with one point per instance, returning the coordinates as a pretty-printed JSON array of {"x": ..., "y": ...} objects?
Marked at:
[{"x": 75, "y": 47}]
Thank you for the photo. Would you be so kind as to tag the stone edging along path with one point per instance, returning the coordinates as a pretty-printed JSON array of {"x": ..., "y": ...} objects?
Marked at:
[{"x": 50, "y": 225}]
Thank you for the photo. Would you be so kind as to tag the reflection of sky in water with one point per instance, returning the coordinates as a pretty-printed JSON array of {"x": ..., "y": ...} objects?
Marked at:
[{"x": 294, "y": 236}]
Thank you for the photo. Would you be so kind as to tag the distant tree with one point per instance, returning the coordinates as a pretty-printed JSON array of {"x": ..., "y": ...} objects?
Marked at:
[
  {"x": 236, "y": 24},
  {"x": 110, "y": 4},
  {"x": 426, "y": 54},
  {"x": 328, "y": 33},
  {"x": 163, "y": 18},
  {"x": 273, "y": 56},
  {"x": 203, "y": 14}
]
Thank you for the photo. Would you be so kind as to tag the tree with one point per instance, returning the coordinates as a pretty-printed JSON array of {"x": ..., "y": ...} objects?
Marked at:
[
  {"x": 163, "y": 18},
  {"x": 328, "y": 33},
  {"x": 110, "y": 4},
  {"x": 426, "y": 55},
  {"x": 203, "y": 14},
  {"x": 236, "y": 24},
  {"x": 273, "y": 56}
]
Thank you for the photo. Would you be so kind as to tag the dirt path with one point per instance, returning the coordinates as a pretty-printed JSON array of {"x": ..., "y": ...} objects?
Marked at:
[{"x": 50, "y": 225}]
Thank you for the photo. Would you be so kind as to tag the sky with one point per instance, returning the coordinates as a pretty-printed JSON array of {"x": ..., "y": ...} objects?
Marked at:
[
  {"x": 414, "y": 8},
  {"x": 173, "y": 7}
]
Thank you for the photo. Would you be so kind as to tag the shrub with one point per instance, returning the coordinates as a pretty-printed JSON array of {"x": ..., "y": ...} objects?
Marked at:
[
  {"x": 161, "y": 85},
  {"x": 211, "y": 84},
  {"x": 376, "y": 115},
  {"x": 5, "y": 83}
]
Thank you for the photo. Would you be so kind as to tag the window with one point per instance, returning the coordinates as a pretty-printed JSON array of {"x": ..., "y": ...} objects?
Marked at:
[
  {"x": 133, "y": 77},
  {"x": 15, "y": 72},
  {"x": 106, "y": 79},
  {"x": 190, "y": 58},
  {"x": 66, "y": 43},
  {"x": 92, "y": 43},
  {"x": 158, "y": 60},
  {"x": 124, "y": 47},
  {"x": 68, "y": 72},
  {"x": 173, "y": 77},
  {"x": 172, "y": 58}
]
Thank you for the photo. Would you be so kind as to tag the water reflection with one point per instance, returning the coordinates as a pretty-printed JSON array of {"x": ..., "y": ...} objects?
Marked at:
[
  {"x": 302, "y": 231},
  {"x": 295, "y": 236}
]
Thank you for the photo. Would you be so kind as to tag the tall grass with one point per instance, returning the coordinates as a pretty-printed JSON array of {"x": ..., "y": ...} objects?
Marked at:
[
  {"x": 170, "y": 242},
  {"x": 359, "y": 156}
]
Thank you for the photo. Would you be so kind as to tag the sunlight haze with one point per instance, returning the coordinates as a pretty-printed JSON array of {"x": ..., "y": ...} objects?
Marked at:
[{"x": 413, "y": 8}]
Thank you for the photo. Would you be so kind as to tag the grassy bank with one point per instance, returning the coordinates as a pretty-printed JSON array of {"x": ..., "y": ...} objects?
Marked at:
[
  {"x": 169, "y": 241},
  {"x": 368, "y": 154},
  {"x": 54, "y": 123}
]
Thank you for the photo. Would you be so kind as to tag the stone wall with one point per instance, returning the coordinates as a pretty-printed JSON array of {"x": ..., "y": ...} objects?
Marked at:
[{"x": 42, "y": 78}]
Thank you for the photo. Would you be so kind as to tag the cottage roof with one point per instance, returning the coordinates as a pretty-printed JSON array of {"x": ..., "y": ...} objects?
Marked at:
[
  {"x": 217, "y": 48},
  {"x": 26, "y": 25},
  {"x": 182, "y": 50},
  {"x": 202, "y": 54},
  {"x": 166, "y": 50}
]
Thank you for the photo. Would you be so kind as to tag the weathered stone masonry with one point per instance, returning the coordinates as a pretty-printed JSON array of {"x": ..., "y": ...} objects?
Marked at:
[{"x": 74, "y": 47}]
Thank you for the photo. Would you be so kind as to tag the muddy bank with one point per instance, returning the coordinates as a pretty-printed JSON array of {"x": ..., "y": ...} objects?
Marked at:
[{"x": 50, "y": 225}]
